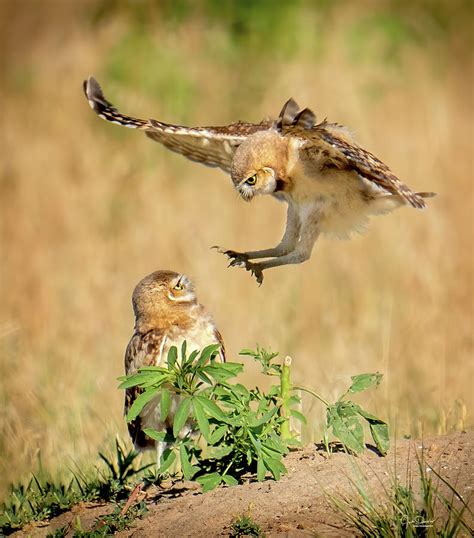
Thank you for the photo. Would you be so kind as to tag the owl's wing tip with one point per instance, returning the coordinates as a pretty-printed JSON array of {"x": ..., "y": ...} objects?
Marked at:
[
  {"x": 95, "y": 96},
  {"x": 417, "y": 200}
]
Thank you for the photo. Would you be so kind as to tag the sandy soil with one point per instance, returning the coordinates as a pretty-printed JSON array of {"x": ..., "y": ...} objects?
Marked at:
[{"x": 298, "y": 504}]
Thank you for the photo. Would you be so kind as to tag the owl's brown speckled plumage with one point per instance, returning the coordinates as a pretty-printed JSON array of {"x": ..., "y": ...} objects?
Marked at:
[
  {"x": 330, "y": 183},
  {"x": 166, "y": 313}
]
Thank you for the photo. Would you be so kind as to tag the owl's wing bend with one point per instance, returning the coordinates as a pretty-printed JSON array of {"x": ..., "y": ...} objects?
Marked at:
[
  {"x": 142, "y": 350},
  {"x": 332, "y": 145},
  {"x": 212, "y": 146}
]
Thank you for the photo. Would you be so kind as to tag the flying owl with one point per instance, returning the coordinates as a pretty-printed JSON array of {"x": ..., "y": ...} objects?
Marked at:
[
  {"x": 166, "y": 313},
  {"x": 330, "y": 183}
]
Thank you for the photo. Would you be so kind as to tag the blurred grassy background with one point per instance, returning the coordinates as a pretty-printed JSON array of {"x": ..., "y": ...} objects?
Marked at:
[{"x": 87, "y": 208}]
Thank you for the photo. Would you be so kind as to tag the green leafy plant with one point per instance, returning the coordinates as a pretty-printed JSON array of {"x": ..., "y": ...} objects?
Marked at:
[
  {"x": 344, "y": 418},
  {"x": 245, "y": 526},
  {"x": 236, "y": 430}
]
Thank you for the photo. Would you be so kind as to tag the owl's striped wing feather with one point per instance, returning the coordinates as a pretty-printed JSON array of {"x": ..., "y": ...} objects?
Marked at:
[
  {"x": 142, "y": 350},
  {"x": 212, "y": 146},
  {"x": 331, "y": 140},
  {"x": 368, "y": 166}
]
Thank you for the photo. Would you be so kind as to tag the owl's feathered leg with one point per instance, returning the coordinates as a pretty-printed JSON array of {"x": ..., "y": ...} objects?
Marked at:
[
  {"x": 308, "y": 234},
  {"x": 160, "y": 448},
  {"x": 287, "y": 244}
]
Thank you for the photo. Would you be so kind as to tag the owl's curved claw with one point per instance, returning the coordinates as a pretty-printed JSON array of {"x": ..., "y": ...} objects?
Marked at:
[
  {"x": 237, "y": 259},
  {"x": 256, "y": 271},
  {"x": 240, "y": 259}
]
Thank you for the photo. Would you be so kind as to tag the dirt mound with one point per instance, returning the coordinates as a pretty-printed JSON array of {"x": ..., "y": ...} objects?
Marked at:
[{"x": 298, "y": 504}]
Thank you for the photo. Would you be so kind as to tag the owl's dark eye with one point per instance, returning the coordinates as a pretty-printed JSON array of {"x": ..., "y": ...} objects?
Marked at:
[{"x": 252, "y": 180}]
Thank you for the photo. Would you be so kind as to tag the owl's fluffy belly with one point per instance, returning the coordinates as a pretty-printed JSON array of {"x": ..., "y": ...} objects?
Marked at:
[{"x": 344, "y": 202}]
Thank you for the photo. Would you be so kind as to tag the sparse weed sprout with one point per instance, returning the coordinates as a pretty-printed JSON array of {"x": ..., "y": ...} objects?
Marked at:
[
  {"x": 245, "y": 526},
  {"x": 239, "y": 430}
]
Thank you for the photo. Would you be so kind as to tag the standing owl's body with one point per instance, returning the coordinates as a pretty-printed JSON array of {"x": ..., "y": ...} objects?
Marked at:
[
  {"x": 166, "y": 314},
  {"x": 330, "y": 183}
]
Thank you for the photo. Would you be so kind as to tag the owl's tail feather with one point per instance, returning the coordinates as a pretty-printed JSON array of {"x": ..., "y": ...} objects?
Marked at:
[
  {"x": 106, "y": 110},
  {"x": 389, "y": 202},
  {"x": 417, "y": 195}
]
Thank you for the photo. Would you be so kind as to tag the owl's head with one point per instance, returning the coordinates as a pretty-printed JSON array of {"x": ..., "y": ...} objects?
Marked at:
[
  {"x": 259, "y": 164},
  {"x": 160, "y": 290}
]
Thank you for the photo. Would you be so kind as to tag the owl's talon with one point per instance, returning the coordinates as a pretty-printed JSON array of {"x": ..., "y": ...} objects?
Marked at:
[
  {"x": 256, "y": 272},
  {"x": 237, "y": 259}
]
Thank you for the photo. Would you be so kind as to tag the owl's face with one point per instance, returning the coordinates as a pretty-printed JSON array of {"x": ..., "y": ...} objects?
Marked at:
[
  {"x": 258, "y": 164},
  {"x": 262, "y": 181},
  {"x": 162, "y": 289}
]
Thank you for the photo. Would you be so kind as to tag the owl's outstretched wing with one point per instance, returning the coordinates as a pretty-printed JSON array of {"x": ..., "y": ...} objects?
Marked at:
[
  {"x": 331, "y": 144},
  {"x": 212, "y": 146},
  {"x": 142, "y": 350}
]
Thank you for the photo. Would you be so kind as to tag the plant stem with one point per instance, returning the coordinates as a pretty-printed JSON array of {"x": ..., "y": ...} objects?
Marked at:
[
  {"x": 285, "y": 387},
  {"x": 311, "y": 391}
]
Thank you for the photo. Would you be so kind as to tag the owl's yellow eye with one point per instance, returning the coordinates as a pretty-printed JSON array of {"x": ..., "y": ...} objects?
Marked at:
[
  {"x": 179, "y": 286},
  {"x": 252, "y": 180}
]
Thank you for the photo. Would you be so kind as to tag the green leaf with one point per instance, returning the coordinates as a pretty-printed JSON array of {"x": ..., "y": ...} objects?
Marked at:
[
  {"x": 184, "y": 346},
  {"x": 140, "y": 403},
  {"x": 275, "y": 467},
  {"x": 364, "y": 381},
  {"x": 218, "y": 434},
  {"x": 380, "y": 435},
  {"x": 136, "y": 379},
  {"x": 217, "y": 452},
  {"x": 206, "y": 354},
  {"x": 221, "y": 371},
  {"x": 153, "y": 434},
  {"x": 293, "y": 400},
  {"x": 229, "y": 480},
  {"x": 165, "y": 404},
  {"x": 203, "y": 377},
  {"x": 168, "y": 458},
  {"x": 261, "y": 469},
  {"x": 368, "y": 416},
  {"x": 181, "y": 415},
  {"x": 240, "y": 389},
  {"x": 299, "y": 416},
  {"x": 172, "y": 356},
  {"x": 212, "y": 409},
  {"x": 265, "y": 418},
  {"x": 209, "y": 481},
  {"x": 346, "y": 428},
  {"x": 201, "y": 418},
  {"x": 188, "y": 470}
]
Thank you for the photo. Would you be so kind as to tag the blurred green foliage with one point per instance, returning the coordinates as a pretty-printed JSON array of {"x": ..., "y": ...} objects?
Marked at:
[{"x": 247, "y": 38}]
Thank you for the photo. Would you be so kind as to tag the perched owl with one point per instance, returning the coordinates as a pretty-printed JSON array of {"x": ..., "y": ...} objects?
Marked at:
[
  {"x": 166, "y": 314},
  {"x": 330, "y": 183}
]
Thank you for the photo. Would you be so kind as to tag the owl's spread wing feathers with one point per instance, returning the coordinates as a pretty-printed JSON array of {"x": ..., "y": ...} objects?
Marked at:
[
  {"x": 142, "y": 350},
  {"x": 215, "y": 146},
  {"x": 212, "y": 146},
  {"x": 332, "y": 142}
]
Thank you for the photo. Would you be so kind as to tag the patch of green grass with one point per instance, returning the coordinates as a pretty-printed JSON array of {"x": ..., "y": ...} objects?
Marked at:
[
  {"x": 43, "y": 498},
  {"x": 407, "y": 511}
]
